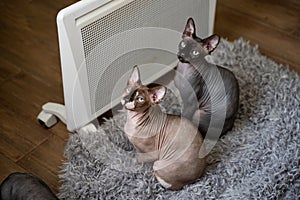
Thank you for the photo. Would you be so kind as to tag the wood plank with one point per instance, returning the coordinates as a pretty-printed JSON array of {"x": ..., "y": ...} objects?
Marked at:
[
  {"x": 45, "y": 160},
  {"x": 21, "y": 100},
  {"x": 24, "y": 97},
  {"x": 290, "y": 3},
  {"x": 279, "y": 14},
  {"x": 8, "y": 167},
  {"x": 12, "y": 145},
  {"x": 296, "y": 33},
  {"x": 49, "y": 154},
  {"x": 60, "y": 130},
  {"x": 32, "y": 60},
  {"x": 30, "y": 92},
  {"x": 7, "y": 70},
  {"x": 233, "y": 25},
  {"x": 18, "y": 134},
  {"x": 31, "y": 32},
  {"x": 36, "y": 18},
  {"x": 33, "y": 166},
  {"x": 22, "y": 125}
]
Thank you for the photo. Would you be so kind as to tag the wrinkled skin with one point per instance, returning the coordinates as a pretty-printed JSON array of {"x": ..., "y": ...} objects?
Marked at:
[
  {"x": 207, "y": 90},
  {"x": 173, "y": 143}
]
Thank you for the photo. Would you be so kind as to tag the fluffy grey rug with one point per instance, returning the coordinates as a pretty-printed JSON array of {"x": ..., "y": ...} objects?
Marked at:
[{"x": 258, "y": 159}]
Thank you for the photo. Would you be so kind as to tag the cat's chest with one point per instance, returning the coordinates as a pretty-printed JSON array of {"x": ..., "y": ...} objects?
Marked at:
[
  {"x": 184, "y": 70},
  {"x": 130, "y": 128},
  {"x": 144, "y": 145},
  {"x": 144, "y": 138},
  {"x": 143, "y": 142}
]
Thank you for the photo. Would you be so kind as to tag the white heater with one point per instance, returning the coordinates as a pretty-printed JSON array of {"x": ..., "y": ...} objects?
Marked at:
[{"x": 101, "y": 40}]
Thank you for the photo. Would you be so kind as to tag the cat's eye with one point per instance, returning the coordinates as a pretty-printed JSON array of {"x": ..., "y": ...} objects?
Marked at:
[
  {"x": 195, "y": 53},
  {"x": 140, "y": 99},
  {"x": 182, "y": 44},
  {"x": 127, "y": 90}
]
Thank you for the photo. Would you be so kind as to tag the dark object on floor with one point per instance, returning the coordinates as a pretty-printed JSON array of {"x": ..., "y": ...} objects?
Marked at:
[{"x": 25, "y": 186}]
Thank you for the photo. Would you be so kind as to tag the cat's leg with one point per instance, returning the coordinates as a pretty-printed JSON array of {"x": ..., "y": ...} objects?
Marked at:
[
  {"x": 162, "y": 172},
  {"x": 171, "y": 176},
  {"x": 162, "y": 181},
  {"x": 201, "y": 119},
  {"x": 228, "y": 125}
]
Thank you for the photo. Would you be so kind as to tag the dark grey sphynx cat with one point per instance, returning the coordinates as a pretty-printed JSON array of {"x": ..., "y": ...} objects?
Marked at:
[
  {"x": 23, "y": 186},
  {"x": 207, "y": 90}
]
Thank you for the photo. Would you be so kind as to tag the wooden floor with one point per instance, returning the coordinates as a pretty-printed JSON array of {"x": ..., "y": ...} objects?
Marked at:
[
  {"x": 30, "y": 71},
  {"x": 273, "y": 25}
]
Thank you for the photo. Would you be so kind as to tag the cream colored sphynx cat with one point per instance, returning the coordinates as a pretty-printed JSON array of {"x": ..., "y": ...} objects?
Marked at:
[{"x": 171, "y": 142}]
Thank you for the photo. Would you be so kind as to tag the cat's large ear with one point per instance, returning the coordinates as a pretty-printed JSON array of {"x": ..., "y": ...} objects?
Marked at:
[
  {"x": 134, "y": 79},
  {"x": 190, "y": 29},
  {"x": 157, "y": 94},
  {"x": 210, "y": 43}
]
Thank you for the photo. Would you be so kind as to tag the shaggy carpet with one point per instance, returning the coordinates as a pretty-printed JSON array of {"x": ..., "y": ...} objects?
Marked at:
[{"x": 258, "y": 159}]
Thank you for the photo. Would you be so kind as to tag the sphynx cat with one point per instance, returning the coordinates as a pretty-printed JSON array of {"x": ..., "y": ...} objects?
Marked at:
[
  {"x": 209, "y": 92},
  {"x": 173, "y": 143},
  {"x": 23, "y": 186}
]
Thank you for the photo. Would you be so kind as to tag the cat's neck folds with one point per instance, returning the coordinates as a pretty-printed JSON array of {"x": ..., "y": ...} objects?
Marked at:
[{"x": 149, "y": 122}]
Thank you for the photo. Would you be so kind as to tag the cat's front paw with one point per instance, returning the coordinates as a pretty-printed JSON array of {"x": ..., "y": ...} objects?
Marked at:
[{"x": 163, "y": 182}]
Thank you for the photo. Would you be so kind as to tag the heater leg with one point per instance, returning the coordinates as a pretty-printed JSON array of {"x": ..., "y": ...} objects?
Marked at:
[
  {"x": 51, "y": 111},
  {"x": 88, "y": 128}
]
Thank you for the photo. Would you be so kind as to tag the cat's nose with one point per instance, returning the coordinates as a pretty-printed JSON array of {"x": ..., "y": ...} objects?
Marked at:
[
  {"x": 122, "y": 102},
  {"x": 180, "y": 57}
]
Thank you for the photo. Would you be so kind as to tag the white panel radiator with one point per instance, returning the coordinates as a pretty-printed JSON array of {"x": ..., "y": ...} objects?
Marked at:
[{"x": 101, "y": 40}]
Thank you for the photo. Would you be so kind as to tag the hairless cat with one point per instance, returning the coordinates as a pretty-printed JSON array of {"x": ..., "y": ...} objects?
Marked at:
[
  {"x": 209, "y": 92},
  {"x": 173, "y": 143}
]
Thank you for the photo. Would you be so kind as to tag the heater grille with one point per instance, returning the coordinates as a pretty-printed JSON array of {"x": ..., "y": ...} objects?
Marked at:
[{"x": 112, "y": 47}]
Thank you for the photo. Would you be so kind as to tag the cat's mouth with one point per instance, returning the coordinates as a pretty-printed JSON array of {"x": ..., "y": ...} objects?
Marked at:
[{"x": 130, "y": 106}]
